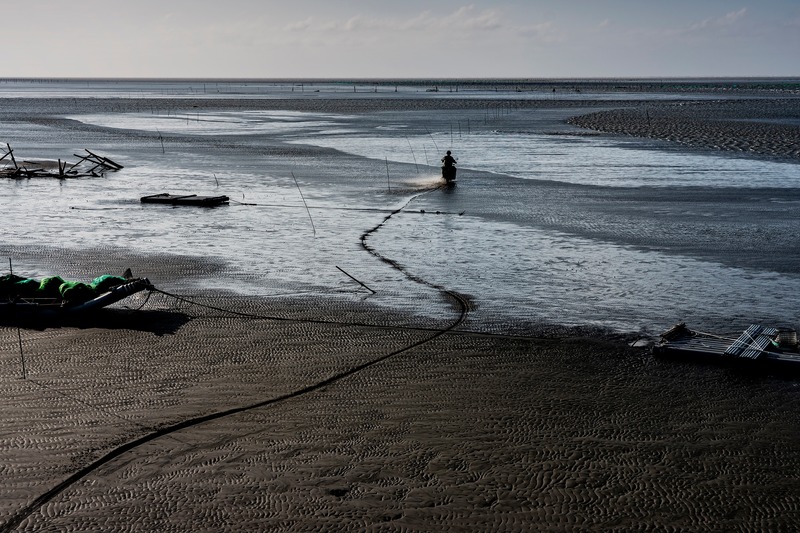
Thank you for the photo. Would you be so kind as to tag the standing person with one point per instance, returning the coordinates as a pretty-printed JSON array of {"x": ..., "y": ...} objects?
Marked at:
[{"x": 449, "y": 167}]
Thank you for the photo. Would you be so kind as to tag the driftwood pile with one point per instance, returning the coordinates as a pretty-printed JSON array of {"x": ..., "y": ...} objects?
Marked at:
[{"x": 89, "y": 165}]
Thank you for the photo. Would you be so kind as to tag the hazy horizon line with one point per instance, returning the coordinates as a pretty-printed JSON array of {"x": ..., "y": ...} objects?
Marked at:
[{"x": 400, "y": 79}]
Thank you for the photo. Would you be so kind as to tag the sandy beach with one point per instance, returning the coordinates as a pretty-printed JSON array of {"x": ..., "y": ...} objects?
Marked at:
[{"x": 201, "y": 409}]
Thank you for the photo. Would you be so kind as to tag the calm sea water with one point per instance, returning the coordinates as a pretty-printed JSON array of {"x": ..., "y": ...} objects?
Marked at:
[{"x": 485, "y": 238}]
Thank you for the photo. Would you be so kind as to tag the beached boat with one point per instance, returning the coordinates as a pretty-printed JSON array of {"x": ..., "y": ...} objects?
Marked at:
[
  {"x": 756, "y": 346},
  {"x": 185, "y": 199},
  {"x": 70, "y": 298}
]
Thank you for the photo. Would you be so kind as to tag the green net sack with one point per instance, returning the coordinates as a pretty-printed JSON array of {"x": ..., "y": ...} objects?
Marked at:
[
  {"x": 75, "y": 292},
  {"x": 49, "y": 287},
  {"x": 8, "y": 285},
  {"x": 26, "y": 288},
  {"x": 104, "y": 283}
]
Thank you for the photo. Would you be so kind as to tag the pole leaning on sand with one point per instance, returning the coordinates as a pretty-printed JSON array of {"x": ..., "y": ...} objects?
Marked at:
[
  {"x": 19, "y": 331},
  {"x": 21, "y": 354},
  {"x": 354, "y": 279}
]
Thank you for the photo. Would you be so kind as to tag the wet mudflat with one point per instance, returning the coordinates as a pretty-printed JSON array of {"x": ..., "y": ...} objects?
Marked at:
[{"x": 486, "y": 385}]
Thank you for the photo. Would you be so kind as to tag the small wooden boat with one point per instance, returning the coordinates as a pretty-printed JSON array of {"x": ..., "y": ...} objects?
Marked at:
[
  {"x": 185, "y": 199},
  {"x": 46, "y": 308},
  {"x": 756, "y": 346}
]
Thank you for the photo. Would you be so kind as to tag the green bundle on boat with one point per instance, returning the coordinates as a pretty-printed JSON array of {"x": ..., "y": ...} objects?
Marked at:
[
  {"x": 56, "y": 288},
  {"x": 48, "y": 287}
]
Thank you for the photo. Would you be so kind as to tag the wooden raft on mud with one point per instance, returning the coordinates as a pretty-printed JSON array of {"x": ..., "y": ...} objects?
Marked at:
[
  {"x": 758, "y": 344},
  {"x": 88, "y": 165},
  {"x": 185, "y": 199}
]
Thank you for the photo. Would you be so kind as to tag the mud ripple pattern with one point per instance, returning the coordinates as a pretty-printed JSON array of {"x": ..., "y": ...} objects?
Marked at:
[
  {"x": 753, "y": 127},
  {"x": 468, "y": 432}
]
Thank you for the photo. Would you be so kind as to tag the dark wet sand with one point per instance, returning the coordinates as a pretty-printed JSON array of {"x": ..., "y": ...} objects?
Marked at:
[{"x": 345, "y": 421}]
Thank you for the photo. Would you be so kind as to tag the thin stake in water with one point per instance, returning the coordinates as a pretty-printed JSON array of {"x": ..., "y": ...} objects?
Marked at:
[
  {"x": 305, "y": 204},
  {"x": 412, "y": 153},
  {"x": 434, "y": 140}
]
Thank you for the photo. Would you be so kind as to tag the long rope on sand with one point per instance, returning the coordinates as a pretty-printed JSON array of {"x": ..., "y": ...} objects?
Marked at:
[{"x": 48, "y": 496}]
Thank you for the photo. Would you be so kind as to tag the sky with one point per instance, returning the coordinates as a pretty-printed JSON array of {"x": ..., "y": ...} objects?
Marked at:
[{"x": 400, "y": 38}]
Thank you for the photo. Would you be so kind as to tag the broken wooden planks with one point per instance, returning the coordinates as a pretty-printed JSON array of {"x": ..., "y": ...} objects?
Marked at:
[{"x": 89, "y": 165}]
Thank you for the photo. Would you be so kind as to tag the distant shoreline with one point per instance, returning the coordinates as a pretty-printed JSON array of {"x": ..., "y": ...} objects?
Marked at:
[{"x": 480, "y": 82}]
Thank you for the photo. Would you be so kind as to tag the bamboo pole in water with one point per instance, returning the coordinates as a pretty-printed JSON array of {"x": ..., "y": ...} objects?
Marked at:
[{"x": 305, "y": 204}]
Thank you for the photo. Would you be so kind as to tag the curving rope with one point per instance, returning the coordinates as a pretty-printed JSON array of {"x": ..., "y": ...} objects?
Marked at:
[{"x": 461, "y": 301}]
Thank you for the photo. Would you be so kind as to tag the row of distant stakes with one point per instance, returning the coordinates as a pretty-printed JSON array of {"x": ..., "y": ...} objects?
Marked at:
[{"x": 89, "y": 165}]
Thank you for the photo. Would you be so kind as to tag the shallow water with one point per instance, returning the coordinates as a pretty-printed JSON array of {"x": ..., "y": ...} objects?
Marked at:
[
  {"x": 488, "y": 239},
  {"x": 584, "y": 161},
  {"x": 580, "y": 160}
]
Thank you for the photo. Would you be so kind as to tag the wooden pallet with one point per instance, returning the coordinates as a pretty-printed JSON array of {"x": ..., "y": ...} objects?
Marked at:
[
  {"x": 753, "y": 343},
  {"x": 756, "y": 344}
]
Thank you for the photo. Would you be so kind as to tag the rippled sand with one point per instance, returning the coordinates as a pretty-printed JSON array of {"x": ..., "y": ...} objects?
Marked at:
[
  {"x": 756, "y": 127},
  {"x": 291, "y": 413}
]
